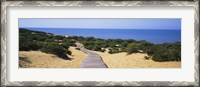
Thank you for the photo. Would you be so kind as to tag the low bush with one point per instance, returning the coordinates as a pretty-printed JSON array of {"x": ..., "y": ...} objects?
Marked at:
[
  {"x": 161, "y": 55},
  {"x": 147, "y": 57},
  {"x": 114, "y": 50},
  {"x": 96, "y": 48},
  {"x": 23, "y": 47},
  {"x": 102, "y": 50},
  {"x": 132, "y": 48},
  {"x": 89, "y": 47},
  {"x": 110, "y": 51},
  {"x": 68, "y": 52},
  {"x": 65, "y": 45},
  {"x": 167, "y": 55},
  {"x": 26, "y": 46},
  {"x": 33, "y": 46},
  {"x": 55, "y": 49}
]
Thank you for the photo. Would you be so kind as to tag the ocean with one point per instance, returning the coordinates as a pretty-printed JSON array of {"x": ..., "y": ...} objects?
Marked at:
[{"x": 155, "y": 36}]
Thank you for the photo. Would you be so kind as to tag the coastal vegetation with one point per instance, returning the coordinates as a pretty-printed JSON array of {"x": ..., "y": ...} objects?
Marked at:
[
  {"x": 157, "y": 52},
  {"x": 45, "y": 42},
  {"x": 58, "y": 45}
]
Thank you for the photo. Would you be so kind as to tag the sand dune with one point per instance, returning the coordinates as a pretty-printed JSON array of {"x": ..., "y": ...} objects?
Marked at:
[
  {"x": 135, "y": 60},
  {"x": 37, "y": 59}
]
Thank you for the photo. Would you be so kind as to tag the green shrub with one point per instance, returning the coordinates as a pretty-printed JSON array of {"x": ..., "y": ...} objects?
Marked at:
[
  {"x": 40, "y": 44},
  {"x": 124, "y": 44},
  {"x": 72, "y": 43},
  {"x": 96, "y": 48},
  {"x": 23, "y": 43},
  {"x": 114, "y": 50},
  {"x": 49, "y": 40},
  {"x": 161, "y": 55},
  {"x": 23, "y": 47},
  {"x": 43, "y": 38},
  {"x": 167, "y": 55},
  {"x": 89, "y": 47},
  {"x": 65, "y": 45},
  {"x": 132, "y": 48},
  {"x": 175, "y": 55},
  {"x": 26, "y": 46},
  {"x": 59, "y": 37},
  {"x": 102, "y": 50},
  {"x": 55, "y": 49},
  {"x": 147, "y": 57},
  {"x": 110, "y": 51},
  {"x": 68, "y": 52},
  {"x": 150, "y": 52},
  {"x": 33, "y": 46}
]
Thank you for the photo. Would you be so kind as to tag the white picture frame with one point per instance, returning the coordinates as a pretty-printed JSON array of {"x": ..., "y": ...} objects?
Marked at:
[{"x": 90, "y": 4}]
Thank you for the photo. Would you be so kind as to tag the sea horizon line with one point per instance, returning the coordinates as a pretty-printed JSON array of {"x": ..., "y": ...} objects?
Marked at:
[{"x": 94, "y": 28}]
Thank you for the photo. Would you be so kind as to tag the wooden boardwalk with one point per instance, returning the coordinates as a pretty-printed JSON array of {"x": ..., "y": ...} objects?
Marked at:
[{"x": 93, "y": 60}]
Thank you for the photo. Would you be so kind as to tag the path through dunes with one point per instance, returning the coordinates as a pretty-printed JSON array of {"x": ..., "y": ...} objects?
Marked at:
[{"x": 93, "y": 60}]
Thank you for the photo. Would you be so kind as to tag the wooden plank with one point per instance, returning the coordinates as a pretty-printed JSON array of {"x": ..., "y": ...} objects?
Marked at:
[{"x": 93, "y": 60}]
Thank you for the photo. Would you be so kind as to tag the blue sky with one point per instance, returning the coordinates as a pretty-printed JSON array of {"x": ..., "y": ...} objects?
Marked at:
[{"x": 102, "y": 23}]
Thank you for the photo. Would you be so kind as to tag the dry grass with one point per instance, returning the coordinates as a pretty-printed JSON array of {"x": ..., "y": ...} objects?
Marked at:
[
  {"x": 135, "y": 60},
  {"x": 37, "y": 59}
]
